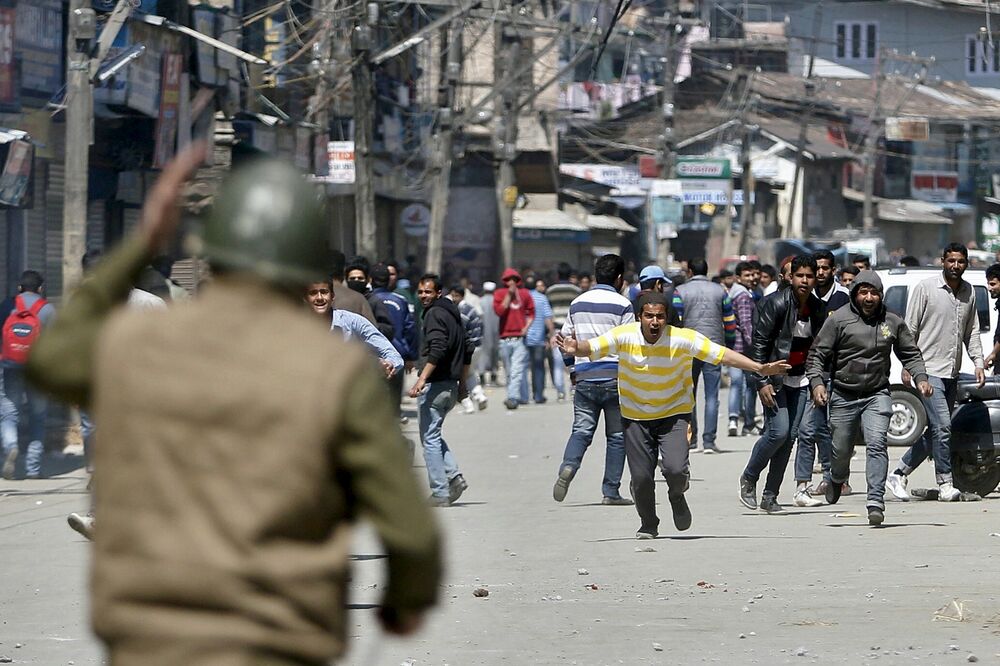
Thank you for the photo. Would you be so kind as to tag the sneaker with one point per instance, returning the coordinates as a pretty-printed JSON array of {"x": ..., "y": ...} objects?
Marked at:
[
  {"x": 510, "y": 404},
  {"x": 752, "y": 430},
  {"x": 875, "y": 516},
  {"x": 682, "y": 514},
  {"x": 770, "y": 505},
  {"x": 833, "y": 492},
  {"x": 403, "y": 420},
  {"x": 84, "y": 525},
  {"x": 948, "y": 492},
  {"x": 733, "y": 423},
  {"x": 456, "y": 486},
  {"x": 436, "y": 501},
  {"x": 9, "y": 463},
  {"x": 710, "y": 450},
  {"x": 644, "y": 534},
  {"x": 803, "y": 498},
  {"x": 468, "y": 407},
  {"x": 561, "y": 397},
  {"x": 566, "y": 474},
  {"x": 748, "y": 493},
  {"x": 480, "y": 399},
  {"x": 897, "y": 486},
  {"x": 615, "y": 501}
]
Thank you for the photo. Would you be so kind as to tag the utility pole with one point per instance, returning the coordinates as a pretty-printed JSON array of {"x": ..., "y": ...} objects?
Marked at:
[
  {"x": 451, "y": 66},
  {"x": 746, "y": 210},
  {"x": 666, "y": 155},
  {"x": 871, "y": 141},
  {"x": 810, "y": 89},
  {"x": 876, "y": 120},
  {"x": 364, "y": 94},
  {"x": 79, "y": 136},
  {"x": 505, "y": 143}
]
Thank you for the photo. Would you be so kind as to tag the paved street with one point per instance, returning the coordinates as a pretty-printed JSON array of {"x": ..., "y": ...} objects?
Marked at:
[{"x": 569, "y": 584}]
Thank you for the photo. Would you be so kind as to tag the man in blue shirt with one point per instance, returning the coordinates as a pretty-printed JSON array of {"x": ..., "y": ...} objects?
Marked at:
[
  {"x": 537, "y": 342},
  {"x": 404, "y": 328},
  {"x": 320, "y": 297}
]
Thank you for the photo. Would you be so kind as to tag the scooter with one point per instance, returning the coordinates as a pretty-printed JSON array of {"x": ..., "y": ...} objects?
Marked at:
[{"x": 975, "y": 437}]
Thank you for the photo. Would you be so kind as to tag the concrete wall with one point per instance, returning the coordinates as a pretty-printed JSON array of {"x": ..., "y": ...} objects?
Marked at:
[{"x": 926, "y": 31}]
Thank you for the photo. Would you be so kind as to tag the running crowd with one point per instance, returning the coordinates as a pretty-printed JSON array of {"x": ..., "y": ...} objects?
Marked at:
[{"x": 811, "y": 343}]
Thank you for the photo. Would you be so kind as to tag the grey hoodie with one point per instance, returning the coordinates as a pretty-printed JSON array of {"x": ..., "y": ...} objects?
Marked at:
[{"x": 856, "y": 349}]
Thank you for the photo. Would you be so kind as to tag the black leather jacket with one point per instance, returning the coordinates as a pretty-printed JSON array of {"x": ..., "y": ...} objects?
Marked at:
[{"x": 773, "y": 322}]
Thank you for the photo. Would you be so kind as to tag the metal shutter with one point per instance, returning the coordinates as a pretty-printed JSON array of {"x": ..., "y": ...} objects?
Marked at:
[
  {"x": 97, "y": 220},
  {"x": 52, "y": 202}
]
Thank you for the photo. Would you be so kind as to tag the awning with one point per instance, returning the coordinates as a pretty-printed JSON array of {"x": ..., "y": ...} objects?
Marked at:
[
  {"x": 912, "y": 211},
  {"x": 547, "y": 219},
  {"x": 7, "y": 135},
  {"x": 610, "y": 223}
]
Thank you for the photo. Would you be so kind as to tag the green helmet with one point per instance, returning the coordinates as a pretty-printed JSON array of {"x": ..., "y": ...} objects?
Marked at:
[{"x": 269, "y": 221}]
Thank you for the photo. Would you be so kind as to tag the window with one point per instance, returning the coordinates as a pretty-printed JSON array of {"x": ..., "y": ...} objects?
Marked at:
[
  {"x": 855, "y": 41},
  {"x": 895, "y": 300},
  {"x": 980, "y": 56},
  {"x": 983, "y": 308}
]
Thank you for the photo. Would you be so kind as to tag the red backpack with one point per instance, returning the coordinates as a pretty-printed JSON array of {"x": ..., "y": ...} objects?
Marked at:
[{"x": 21, "y": 330}]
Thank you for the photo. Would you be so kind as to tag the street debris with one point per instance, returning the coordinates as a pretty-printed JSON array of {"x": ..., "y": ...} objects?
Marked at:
[
  {"x": 801, "y": 652},
  {"x": 955, "y": 611},
  {"x": 972, "y": 659},
  {"x": 847, "y": 515},
  {"x": 657, "y": 647},
  {"x": 480, "y": 592},
  {"x": 645, "y": 549},
  {"x": 582, "y": 572},
  {"x": 591, "y": 587},
  {"x": 705, "y": 585}
]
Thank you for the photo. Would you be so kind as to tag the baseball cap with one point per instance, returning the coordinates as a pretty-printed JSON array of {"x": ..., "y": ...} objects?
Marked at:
[{"x": 653, "y": 272}]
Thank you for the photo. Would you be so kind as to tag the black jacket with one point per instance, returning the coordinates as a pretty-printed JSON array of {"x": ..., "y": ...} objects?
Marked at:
[
  {"x": 383, "y": 319},
  {"x": 857, "y": 349},
  {"x": 773, "y": 323},
  {"x": 444, "y": 340}
]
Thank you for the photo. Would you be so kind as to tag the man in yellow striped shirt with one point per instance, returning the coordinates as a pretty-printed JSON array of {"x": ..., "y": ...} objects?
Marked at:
[{"x": 656, "y": 393}]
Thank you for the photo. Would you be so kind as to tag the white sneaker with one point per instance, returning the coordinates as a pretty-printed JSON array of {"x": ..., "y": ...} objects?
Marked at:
[
  {"x": 803, "y": 498},
  {"x": 468, "y": 407},
  {"x": 82, "y": 524},
  {"x": 479, "y": 397},
  {"x": 897, "y": 486},
  {"x": 948, "y": 492}
]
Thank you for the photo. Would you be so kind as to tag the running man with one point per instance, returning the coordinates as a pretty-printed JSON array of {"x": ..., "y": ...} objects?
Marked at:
[{"x": 656, "y": 393}]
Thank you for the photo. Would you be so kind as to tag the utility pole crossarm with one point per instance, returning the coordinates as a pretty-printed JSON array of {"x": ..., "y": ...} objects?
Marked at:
[{"x": 421, "y": 35}]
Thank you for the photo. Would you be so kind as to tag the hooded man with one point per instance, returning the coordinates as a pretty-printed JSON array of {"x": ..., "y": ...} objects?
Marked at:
[{"x": 855, "y": 343}]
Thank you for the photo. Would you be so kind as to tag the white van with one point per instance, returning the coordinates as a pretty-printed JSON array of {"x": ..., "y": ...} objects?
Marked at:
[{"x": 908, "y": 416}]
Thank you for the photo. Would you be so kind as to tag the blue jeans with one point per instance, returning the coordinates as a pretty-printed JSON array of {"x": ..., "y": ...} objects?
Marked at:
[
  {"x": 742, "y": 397},
  {"x": 936, "y": 441},
  {"x": 814, "y": 435},
  {"x": 872, "y": 414},
  {"x": 774, "y": 448},
  {"x": 433, "y": 405},
  {"x": 750, "y": 402},
  {"x": 713, "y": 376},
  {"x": 536, "y": 356},
  {"x": 589, "y": 400},
  {"x": 8, "y": 420},
  {"x": 29, "y": 405},
  {"x": 514, "y": 355},
  {"x": 557, "y": 369}
]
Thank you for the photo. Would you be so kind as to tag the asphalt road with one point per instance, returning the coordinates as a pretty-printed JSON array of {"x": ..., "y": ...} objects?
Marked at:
[{"x": 569, "y": 584}]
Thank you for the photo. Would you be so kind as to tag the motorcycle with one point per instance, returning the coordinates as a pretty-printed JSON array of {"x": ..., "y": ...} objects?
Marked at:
[{"x": 975, "y": 437}]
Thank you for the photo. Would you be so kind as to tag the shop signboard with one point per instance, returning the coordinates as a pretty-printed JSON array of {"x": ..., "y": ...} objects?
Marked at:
[
  {"x": 340, "y": 156},
  {"x": 38, "y": 37},
  {"x": 934, "y": 186},
  {"x": 16, "y": 173},
  {"x": 170, "y": 98},
  {"x": 8, "y": 66},
  {"x": 703, "y": 167}
]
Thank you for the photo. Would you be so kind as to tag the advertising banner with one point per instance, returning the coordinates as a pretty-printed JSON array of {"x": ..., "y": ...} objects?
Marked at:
[{"x": 170, "y": 98}]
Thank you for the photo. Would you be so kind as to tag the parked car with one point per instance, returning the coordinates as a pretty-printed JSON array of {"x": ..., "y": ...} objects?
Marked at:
[{"x": 908, "y": 416}]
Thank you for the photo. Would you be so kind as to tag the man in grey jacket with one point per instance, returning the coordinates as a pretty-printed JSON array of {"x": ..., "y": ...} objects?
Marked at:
[{"x": 855, "y": 343}]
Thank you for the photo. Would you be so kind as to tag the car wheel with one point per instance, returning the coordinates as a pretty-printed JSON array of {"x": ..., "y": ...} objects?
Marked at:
[
  {"x": 973, "y": 476},
  {"x": 908, "y": 419}
]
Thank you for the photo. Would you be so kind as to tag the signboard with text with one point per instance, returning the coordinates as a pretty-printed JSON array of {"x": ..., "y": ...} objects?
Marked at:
[
  {"x": 8, "y": 66},
  {"x": 703, "y": 167},
  {"x": 170, "y": 98},
  {"x": 934, "y": 186},
  {"x": 340, "y": 156},
  {"x": 38, "y": 37}
]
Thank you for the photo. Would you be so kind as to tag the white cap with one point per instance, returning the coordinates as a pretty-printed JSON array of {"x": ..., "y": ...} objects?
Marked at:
[{"x": 489, "y": 286}]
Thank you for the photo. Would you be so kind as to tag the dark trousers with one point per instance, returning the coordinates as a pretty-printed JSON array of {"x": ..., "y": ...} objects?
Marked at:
[
  {"x": 396, "y": 390},
  {"x": 643, "y": 440}
]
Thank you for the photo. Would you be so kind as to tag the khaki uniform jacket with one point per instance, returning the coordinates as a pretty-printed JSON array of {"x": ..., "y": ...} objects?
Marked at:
[{"x": 237, "y": 441}]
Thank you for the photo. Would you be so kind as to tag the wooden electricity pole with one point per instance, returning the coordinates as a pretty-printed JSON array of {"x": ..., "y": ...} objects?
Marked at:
[
  {"x": 505, "y": 141},
  {"x": 451, "y": 66},
  {"x": 364, "y": 95}
]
